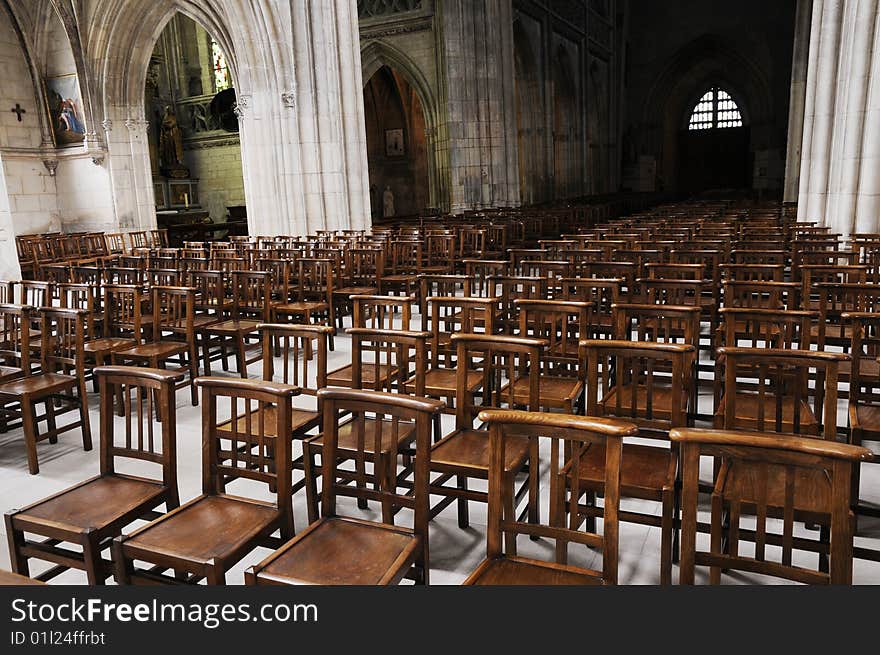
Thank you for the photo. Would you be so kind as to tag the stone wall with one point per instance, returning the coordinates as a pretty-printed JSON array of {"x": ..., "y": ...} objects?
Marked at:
[{"x": 218, "y": 170}]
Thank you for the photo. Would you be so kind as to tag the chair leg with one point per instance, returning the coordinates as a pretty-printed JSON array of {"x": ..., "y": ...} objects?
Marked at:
[
  {"x": 50, "y": 419},
  {"x": 15, "y": 539},
  {"x": 667, "y": 525},
  {"x": 240, "y": 355},
  {"x": 84, "y": 417},
  {"x": 311, "y": 482},
  {"x": 122, "y": 566},
  {"x": 193, "y": 374},
  {"x": 29, "y": 426},
  {"x": 463, "y": 521},
  {"x": 216, "y": 576},
  {"x": 534, "y": 491},
  {"x": 92, "y": 559},
  {"x": 715, "y": 537}
]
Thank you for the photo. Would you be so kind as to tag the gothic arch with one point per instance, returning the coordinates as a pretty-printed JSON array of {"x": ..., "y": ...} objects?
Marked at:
[
  {"x": 708, "y": 61},
  {"x": 376, "y": 54}
]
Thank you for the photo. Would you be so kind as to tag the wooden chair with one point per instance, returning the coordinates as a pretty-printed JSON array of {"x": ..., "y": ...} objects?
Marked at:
[
  {"x": 604, "y": 294},
  {"x": 303, "y": 353},
  {"x": 385, "y": 553},
  {"x": 15, "y": 351},
  {"x": 206, "y": 536},
  {"x": 362, "y": 273},
  {"x": 561, "y": 324},
  {"x": 173, "y": 338},
  {"x": 462, "y": 454},
  {"x": 649, "y": 384},
  {"x": 397, "y": 362},
  {"x": 137, "y": 239},
  {"x": 509, "y": 289},
  {"x": 313, "y": 295},
  {"x": 251, "y": 306},
  {"x": 451, "y": 314},
  {"x": 566, "y": 434},
  {"x": 211, "y": 306},
  {"x": 378, "y": 313},
  {"x": 94, "y": 511},
  {"x": 864, "y": 406},
  {"x": 62, "y": 337},
  {"x": 768, "y": 476}
]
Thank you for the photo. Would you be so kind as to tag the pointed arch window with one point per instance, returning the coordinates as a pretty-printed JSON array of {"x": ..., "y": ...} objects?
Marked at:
[
  {"x": 716, "y": 109},
  {"x": 222, "y": 77}
]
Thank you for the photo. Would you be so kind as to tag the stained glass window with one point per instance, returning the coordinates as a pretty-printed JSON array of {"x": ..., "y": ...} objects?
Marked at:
[
  {"x": 715, "y": 109},
  {"x": 222, "y": 78}
]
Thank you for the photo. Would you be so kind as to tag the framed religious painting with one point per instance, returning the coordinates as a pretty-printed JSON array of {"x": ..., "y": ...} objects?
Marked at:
[
  {"x": 394, "y": 144},
  {"x": 65, "y": 110}
]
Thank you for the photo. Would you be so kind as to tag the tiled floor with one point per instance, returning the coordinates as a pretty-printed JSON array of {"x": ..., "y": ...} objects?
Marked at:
[{"x": 454, "y": 552}]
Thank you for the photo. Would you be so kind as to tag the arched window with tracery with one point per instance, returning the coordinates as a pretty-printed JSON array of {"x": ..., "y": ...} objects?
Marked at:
[{"x": 716, "y": 109}]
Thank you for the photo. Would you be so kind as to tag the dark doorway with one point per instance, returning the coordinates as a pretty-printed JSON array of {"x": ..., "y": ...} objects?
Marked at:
[{"x": 714, "y": 159}]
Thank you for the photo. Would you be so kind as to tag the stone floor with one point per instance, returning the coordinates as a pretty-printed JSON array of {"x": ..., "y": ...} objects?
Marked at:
[{"x": 454, "y": 552}]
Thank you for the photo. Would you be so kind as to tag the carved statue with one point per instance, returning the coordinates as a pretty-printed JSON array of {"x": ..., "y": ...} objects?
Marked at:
[
  {"x": 171, "y": 144},
  {"x": 388, "y": 202}
]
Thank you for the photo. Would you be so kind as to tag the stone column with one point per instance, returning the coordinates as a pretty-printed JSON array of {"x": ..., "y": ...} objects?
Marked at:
[
  {"x": 9, "y": 268},
  {"x": 840, "y": 155},
  {"x": 797, "y": 98},
  {"x": 479, "y": 128}
]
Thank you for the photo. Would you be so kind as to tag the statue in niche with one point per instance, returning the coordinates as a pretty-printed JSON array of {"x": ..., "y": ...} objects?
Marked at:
[
  {"x": 171, "y": 145},
  {"x": 388, "y": 202}
]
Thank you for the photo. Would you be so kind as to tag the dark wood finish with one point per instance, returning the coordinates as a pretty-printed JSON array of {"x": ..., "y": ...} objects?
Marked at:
[
  {"x": 386, "y": 553},
  {"x": 575, "y": 434},
  {"x": 206, "y": 536},
  {"x": 92, "y": 512},
  {"x": 768, "y": 476}
]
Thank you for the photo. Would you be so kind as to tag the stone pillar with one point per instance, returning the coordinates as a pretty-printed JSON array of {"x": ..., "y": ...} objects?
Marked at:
[
  {"x": 840, "y": 155},
  {"x": 797, "y": 100},
  {"x": 9, "y": 268},
  {"x": 479, "y": 131}
]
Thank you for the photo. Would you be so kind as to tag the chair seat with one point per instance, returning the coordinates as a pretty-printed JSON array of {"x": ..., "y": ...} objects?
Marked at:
[
  {"x": 748, "y": 404},
  {"x": 356, "y": 291},
  {"x": 342, "y": 377},
  {"x": 10, "y": 373},
  {"x": 661, "y": 401},
  {"x": 199, "y": 321},
  {"x": 342, "y": 551},
  {"x": 442, "y": 381},
  {"x": 208, "y": 528},
  {"x": 507, "y": 570},
  {"x": 866, "y": 419},
  {"x": 470, "y": 449},
  {"x": 94, "y": 504},
  {"x": 300, "y": 307},
  {"x": 153, "y": 350},
  {"x": 234, "y": 326},
  {"x": 869, "y": 369},
  {"x": 347, "y": 438},
  {"x": 300, "y": 419},
  {"x": 8, "y": 578},
  {"x": 644, "y": 470},
  {"x": 45, "y": 383},
  {"x": 553, "y": 391},
  {"x": 812, "y": 487},
  {"x": 107, "y": 345},
  {"x": 399, "y": 279}
]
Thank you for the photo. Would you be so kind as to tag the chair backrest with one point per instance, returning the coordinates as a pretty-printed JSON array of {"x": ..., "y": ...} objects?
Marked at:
[
  {"x": 123, "y": 310},
  {"x": 753, "y": 272},
  {"x": 251, "y": 294},
  {"x": 382, "y": 312},
  {"x": 790, "y": 458},
  {"x": 562, "y": 324},
  {"x": 650, "y": 384},
  {"x": 36, "y": 293},
  {"x": 63, "y": 335},
  {"x": 316, "y": 280},
  {"x": 770, "y": 328},
  {"x": 499, "y": 359},
  {"x": 762, "y": 294},
  {"x": 174, "y": 309},
  {"x": 510, "y": 288},
  {"x": 569, "y": 437},
  {"x": 303, "y": 363},
  {"x": 391, "y": 414},
  {"x": 440, "y": 285},
  {"x": 864, "y": 383},
  {"x": 247, "y": 448},
  {"x": 770, "y": 390},
  {"x": 141, "y": 390},
  {"x": 403, "y": 351},
  {"x": 15, "y": 322},
  {"x": 837, "y": 299}
]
